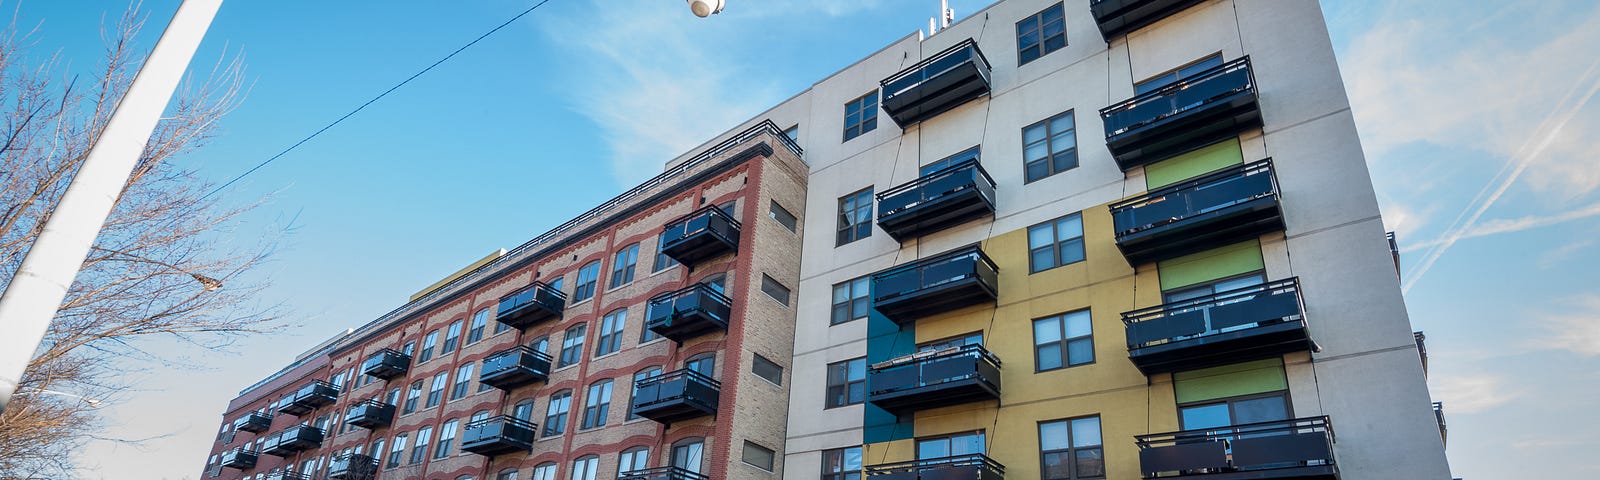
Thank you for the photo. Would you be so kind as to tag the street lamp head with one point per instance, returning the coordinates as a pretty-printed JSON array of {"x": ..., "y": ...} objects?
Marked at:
[
  {"x": 207, "y": 283},
  {"x": 705, "y": 8}
]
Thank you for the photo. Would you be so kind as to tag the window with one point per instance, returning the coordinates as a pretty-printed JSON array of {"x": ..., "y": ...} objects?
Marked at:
[
  {"x": 396, "y": 450},
  {"x": 428, "y": 343},
  {"x": 959, "y": 444},
  {"x": 766, "y": 369},
  {"x": 555, "y": 418},
  {"x": 587, "y": 276},
  {"x": 479, "y": 320},
  {"x": 775, "y": 290},
  {"x": 478, "y": 416},
  {"x": 975, "y": 338},
  {"x": 793, "y": 133},
  {"x": 855, "y": 217},
  {"x": 1269, "y": 407},
  {"x": 622, "y": 266},
  {"x": 1071, "y": 449},
  {"x": 841, "y": 464},
  {"x": 705, "y": 364},
  {"x": 507, "y": 474},
  {"x": 860, "y": 115},
  {"x": 687, "y": 453},
  {"x": 1055, "y": 243},
  {"x": 663, "y": 261},
  {"x": 946, "y": 162},
  {"x": 1214, "y": 287},
  {"x": 643, "y": 375},
  {"x": 757, "y": 456},
  {"x": 523, "y": 410},
  {"x": 447, "y": 438},
  {"x": 541, "y": 344},
  {"x": 1041, "y": 33},
  {"x": 847, "y": 382},
  {"x": 545, "y": 472},
  {"x": 646, "y": 334},
  {"x": 596, "y": 403},
  {"x": 1049, "y": 147},
  {"x": 610, "y": 339},
  {"x": 410, "y": 348},
  {"x": 411, "y": 397},
  {"x": 585, "y": 468},
  {"x": 850, "y": 300},
  {"x": 572, "y": 346},
  {"x": 452, "y": 337},
  {"x": 463, "y": 379},
  {"x": 436, "y": 392},
  {"x": 1063, "y": 341},
  {"x": 636, "y": 458},
  {"x": 782, "y": 215},
  {"x": 1183, "y": 73},
  {"x": 420, "y": 450},
  {"x": 377, "y": 449}
]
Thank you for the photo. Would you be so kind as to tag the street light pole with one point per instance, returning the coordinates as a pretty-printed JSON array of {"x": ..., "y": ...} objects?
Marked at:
[{"x": 36, "y": 291}]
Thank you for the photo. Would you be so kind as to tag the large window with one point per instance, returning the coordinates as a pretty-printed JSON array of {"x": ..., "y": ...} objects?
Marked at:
[
  {"x": 452, "y": 337},
  {"x": 1177, "y": 74},
  {"x": 587, "y": 276},
  {"x": 555, "y": 417},
  {"x": 663, "y": 261},
  {"x": 643, "y": 375},
  {"x": 623, "y": 265},
  {"x": 766, "y": 369},
  {"x": 1269, "y": 407},
  {"x": 479, "y": 320},
  {"x": 860, "y": 115},
  {"x": 610, "y": 339},
  {"x": 397, "y": 449},
  {"x": 596, "y": 403},
  {"x": 412, "y": 395},
  {"x": 1213, "y": 287},
  {"x": 855, "y": 217},
  {"x": 1041, "y": 33},
  {"x": 585, "y": 468},
  {"x": 1055, "y": 243},
  {"x": 847, "y": 382},
  {"x": 705, "y": 364},
  {"x": 757, "y": 456},
  {"x": 523, "y": 410},
  {"x": 782, "y": 215},
  {"x": 851, "y": 300},
  {"x": 636, "y": 458},
  {"x": 463, "y": 379},
  {"x": 1049, "y": 147},
  {"x": 447, "y": 438},
  {"x": 950, "y": 445},
  {"x": 687, "y": 453},
  {"x": 428, "y": 343},
  {"x": 1071, "y": 449},
  {"x": 1063, "y": 341},
  {"x": 572, "y": 345},
  {"x": 436, "y": 392},
  {"x": 545, "y": 471},
  {"x": 420, "y": 450},
  {"x": 841, "y": 464}
]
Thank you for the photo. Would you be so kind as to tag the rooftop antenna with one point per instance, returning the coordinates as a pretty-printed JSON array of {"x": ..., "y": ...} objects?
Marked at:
[{"x": 946, "y": 13}]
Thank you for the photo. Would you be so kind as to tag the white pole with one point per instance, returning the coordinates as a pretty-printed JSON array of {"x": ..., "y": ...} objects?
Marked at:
[{"x": 36, "y": 291}]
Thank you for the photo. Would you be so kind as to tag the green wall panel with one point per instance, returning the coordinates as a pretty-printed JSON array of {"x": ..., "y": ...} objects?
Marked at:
[
  {"x": 1220, "y": 262},
  {"x": 1193, "y": 164},
  {"x": 1247, "y": 378}
]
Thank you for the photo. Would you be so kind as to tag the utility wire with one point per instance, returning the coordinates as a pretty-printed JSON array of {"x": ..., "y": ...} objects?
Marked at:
[{"x": 374, "y": 99}]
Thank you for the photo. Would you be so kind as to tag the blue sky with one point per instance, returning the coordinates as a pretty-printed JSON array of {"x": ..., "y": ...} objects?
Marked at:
[{"x": 1476, "y": 117}]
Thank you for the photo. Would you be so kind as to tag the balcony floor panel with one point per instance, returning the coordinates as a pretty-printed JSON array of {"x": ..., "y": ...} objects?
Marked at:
[
  {"x": 1118, "y": 17},
  {"x": 1314, "y": 472},
  {"x": 933, "y": 300},
  {"x": 937, "y": 95},
  {"x": 1223, "y": 348},
  {"x": 934, "y": 396},
  {"x": 510, "y": 380},
  {"x": 1182, "y": 132},
  {"x": 1213, "y": 229},
  {"x": 937, "y": 214},
  {"x": 689, "y": 327},
  {"x": 527, "y": 316},
  {"x": 492, "y": 448},
  {"x": 671, "y": 412}
]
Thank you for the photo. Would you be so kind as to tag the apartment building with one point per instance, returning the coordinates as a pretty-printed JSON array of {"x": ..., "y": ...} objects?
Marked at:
[{"x": 649, "y": 338}]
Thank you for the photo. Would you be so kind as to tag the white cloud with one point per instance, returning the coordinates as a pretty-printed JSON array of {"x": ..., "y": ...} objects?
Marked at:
[
  {"x": 1576, "y": 329},
  {"x": 1510, "y": 225},
  {"x": 1563, "y": 253},
  {"x": 1473, "y": 393}
]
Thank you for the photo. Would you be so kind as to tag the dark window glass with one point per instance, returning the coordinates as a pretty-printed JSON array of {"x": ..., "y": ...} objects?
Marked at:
[
  {"x": 687, "y": 454},
  {"x": 841, "y": 464},
  {"x": 775, "y": 290},
  {"x": 643, "y": 375},
  {"x": 847, "y": 383},
  {"x": 596, "y": 403},
  {"x": 452, "y": 337},
  {"x": 1269, "y": 407},
  {"x": 610, "y": 339},
  {"x": 463, "y": 379},
  {"x": 782, "y": 215},
  {"x": 860, "y": 115},
  {"x": 663, "y": 261},
  {"x": 766, "y": 369},
  {"x": 946, "y": 162},
  {"x": 622, "y": 266},
  {"x": 855, "y": 217},
  {"x": 436, "y": 391},
  {"x": 428, "y": 343},
  {"x": 412, "y": 395},
  {"x": 950, "y": 445},
  {"x": 1064, "y": 340},
  {"x": 705, "y": 363},
  {"x": 1041, "y": 33},
  {"x": 479, "y": 320},
  {"x": 420, "y": 450},
  {"x": 1071, "y": 449},
  {"x": 851, "y": 300},
  {"x": 587, "y": 276},
  {"x": 757, "y": 456},
  {"x": 555, "y": 417},
  {"x": 1176, "y": 75},
  {"x": 1055, "y": 243},
  {"x": 1049, "y": 147},
  {"x": 572, "y": 345},
  {"x": 447, "y": 439}
]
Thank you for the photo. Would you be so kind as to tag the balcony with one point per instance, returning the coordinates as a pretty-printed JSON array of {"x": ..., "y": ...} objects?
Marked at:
[
  {"x": 287, "y": 475},
  {"x": 528, "y": 307},
  {"x": 253, "y": 422},
  {"x": 313, "y": 395},
  {"x": 663, "y": 473},
  {"x": 962, "y": 467},
  {"x": 948, "y": 281},
  {"x": 689, "y": 312},
  {"x": 1293, "y": 449},
  {"x": 292, "y": 440},
  {"x": 946, "y": 80},
  {"x": 386, "y": 364},
  {"x": 238, "y": 459},
  {"x": 1444, "y": 428},
  {"x": 352, "y": 466},
  {"x": 934, "y": 379},
  {"x": 1118, "y": 17},
  {"x": 498, "y": 435},
  {"x": 515, "y": 367},
  {"x": 1219, "y": 208},
  {"x": 676, "y": 395},
  {"x": 1227, "y": 327},
  {"x": 942, "y": 199},
  {"x": 370, "y": 414},
  {"x": 707, "y": 233},
  {"x": 1213, "y": 105}
]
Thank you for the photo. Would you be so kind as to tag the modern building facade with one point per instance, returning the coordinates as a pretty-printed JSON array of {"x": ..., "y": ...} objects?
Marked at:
[{"x": 1110, "y": 239}]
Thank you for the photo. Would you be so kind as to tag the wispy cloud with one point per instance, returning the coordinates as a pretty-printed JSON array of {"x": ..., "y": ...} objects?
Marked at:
[
  {"x": 1509, "y": 225},
  {"x": 1576, "y": 329},
  {"x": 1474, "y": 393},
  {"x": 1564, "y": 253}
]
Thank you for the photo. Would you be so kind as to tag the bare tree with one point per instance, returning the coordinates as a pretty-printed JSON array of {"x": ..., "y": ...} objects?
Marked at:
[{"x": 161, "y": 267}]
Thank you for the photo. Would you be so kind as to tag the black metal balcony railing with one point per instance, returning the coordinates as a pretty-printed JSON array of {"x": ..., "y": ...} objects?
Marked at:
[
  {"x": 352, "y": 466},
  {"x": 386, "y": 364},
  {"x": 1118, "y": 17},
  {"x": 1226, "y": 327},
  {"x": 952, "y": 280},
  {"x": 1219, "y": 208},
  {"x": 292, "y": 440},
  {"x": 498, "y": 435},
  {"x": 531, "y": 305},
  {"x": 253, "y": 422},
  {"x": 1444, "y": 428},
  {"x": 316, "y": 394},
  {"x": 370, "y": 414},
  {"x": 515, "y": 367},
  {"x": 1301, "y": 448},
  {"x": 663, "y": 473},
  {"x": 676, "y": 395},
  {"x": 1394, "y": 251},
  {"x": 944, "y": 81},
  {"x": 1422, "y": 350},
  {"x": 942, "y": 199},
  {"x": 975, "y": 466},
  {"x": 239, "y": 459},
  {"x": 287, "y": 475},
  {"x": 1193, "y": 112},
  {"x": 935, "y": 379},
  {"x": 689, "y": 312},
  {"x": 703, "y": 234}
]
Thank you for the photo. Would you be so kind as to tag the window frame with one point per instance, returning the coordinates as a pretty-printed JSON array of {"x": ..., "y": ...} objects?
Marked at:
[
  {"x": 572, "y": 340},
  {"x": 778, "y": 214},
  {"x": 452, "y": 337},
  {"x": 846, "y": 384},
  {"x": 419, "y": 449},
  {"x": 1064, "y": 342},
  {"x": 480, "y": 320},
  {"x": 612, "y": 325},
  {"x": 850, "y": 300},
  {"x": 556, "y": 413},
  {"x": 413, "y": 397},
  {"x": 597, "y": 404},
  {"x": 1039, "y": 29},
  {"x": 768, "y": 284},
  {"x": 771, "y": 456},
  {"x": 436, "y": 390},
  {"x": 463, "y": 381},
  {"x": 588, "y": 280},
  {"x": 639, "y": 376},
  {"x": 1048, "y": 140},
  {"x": 1055, "y": 245},
  {"x": 623, "y": 265},
  {"x": 429, "y": 341},
  {"x": 851, "y": 208},
  {"x": 864, "y": 118},
  {"x": 447, "y": 437},
  {"x": 836, "y": 464},
  {"x": 1072, "y": 449}
]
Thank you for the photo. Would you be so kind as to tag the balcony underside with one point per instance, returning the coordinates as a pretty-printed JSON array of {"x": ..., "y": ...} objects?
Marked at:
[
  {"x": 1220, "y": 227},
  {"x": 1118, "y": 17},
  {"x": 1254, "y": 343},
  {"x": 253, "y": 424},
  {"x": 937, "y": 95},
  {"x": 687, "y": 325},
  {"x": 954, "y": 392},
  {"x": 240, "y": 462},
  {"x": 296, "y": 408},
  {"x": 967, "y": 472},
  {"x": 373, "y": 419},
  {"x": 937, "y": 214},
  {"x": 698, "y": 247},
  {"x": 1181, "y": 132},
  {"x": 528, "y": 315},
  {"x": 512, "y": 378},
  {"x": 672, "y": 411},
  {"x": 945, "y": 297},
  {"x": 495, "y": 446}
]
